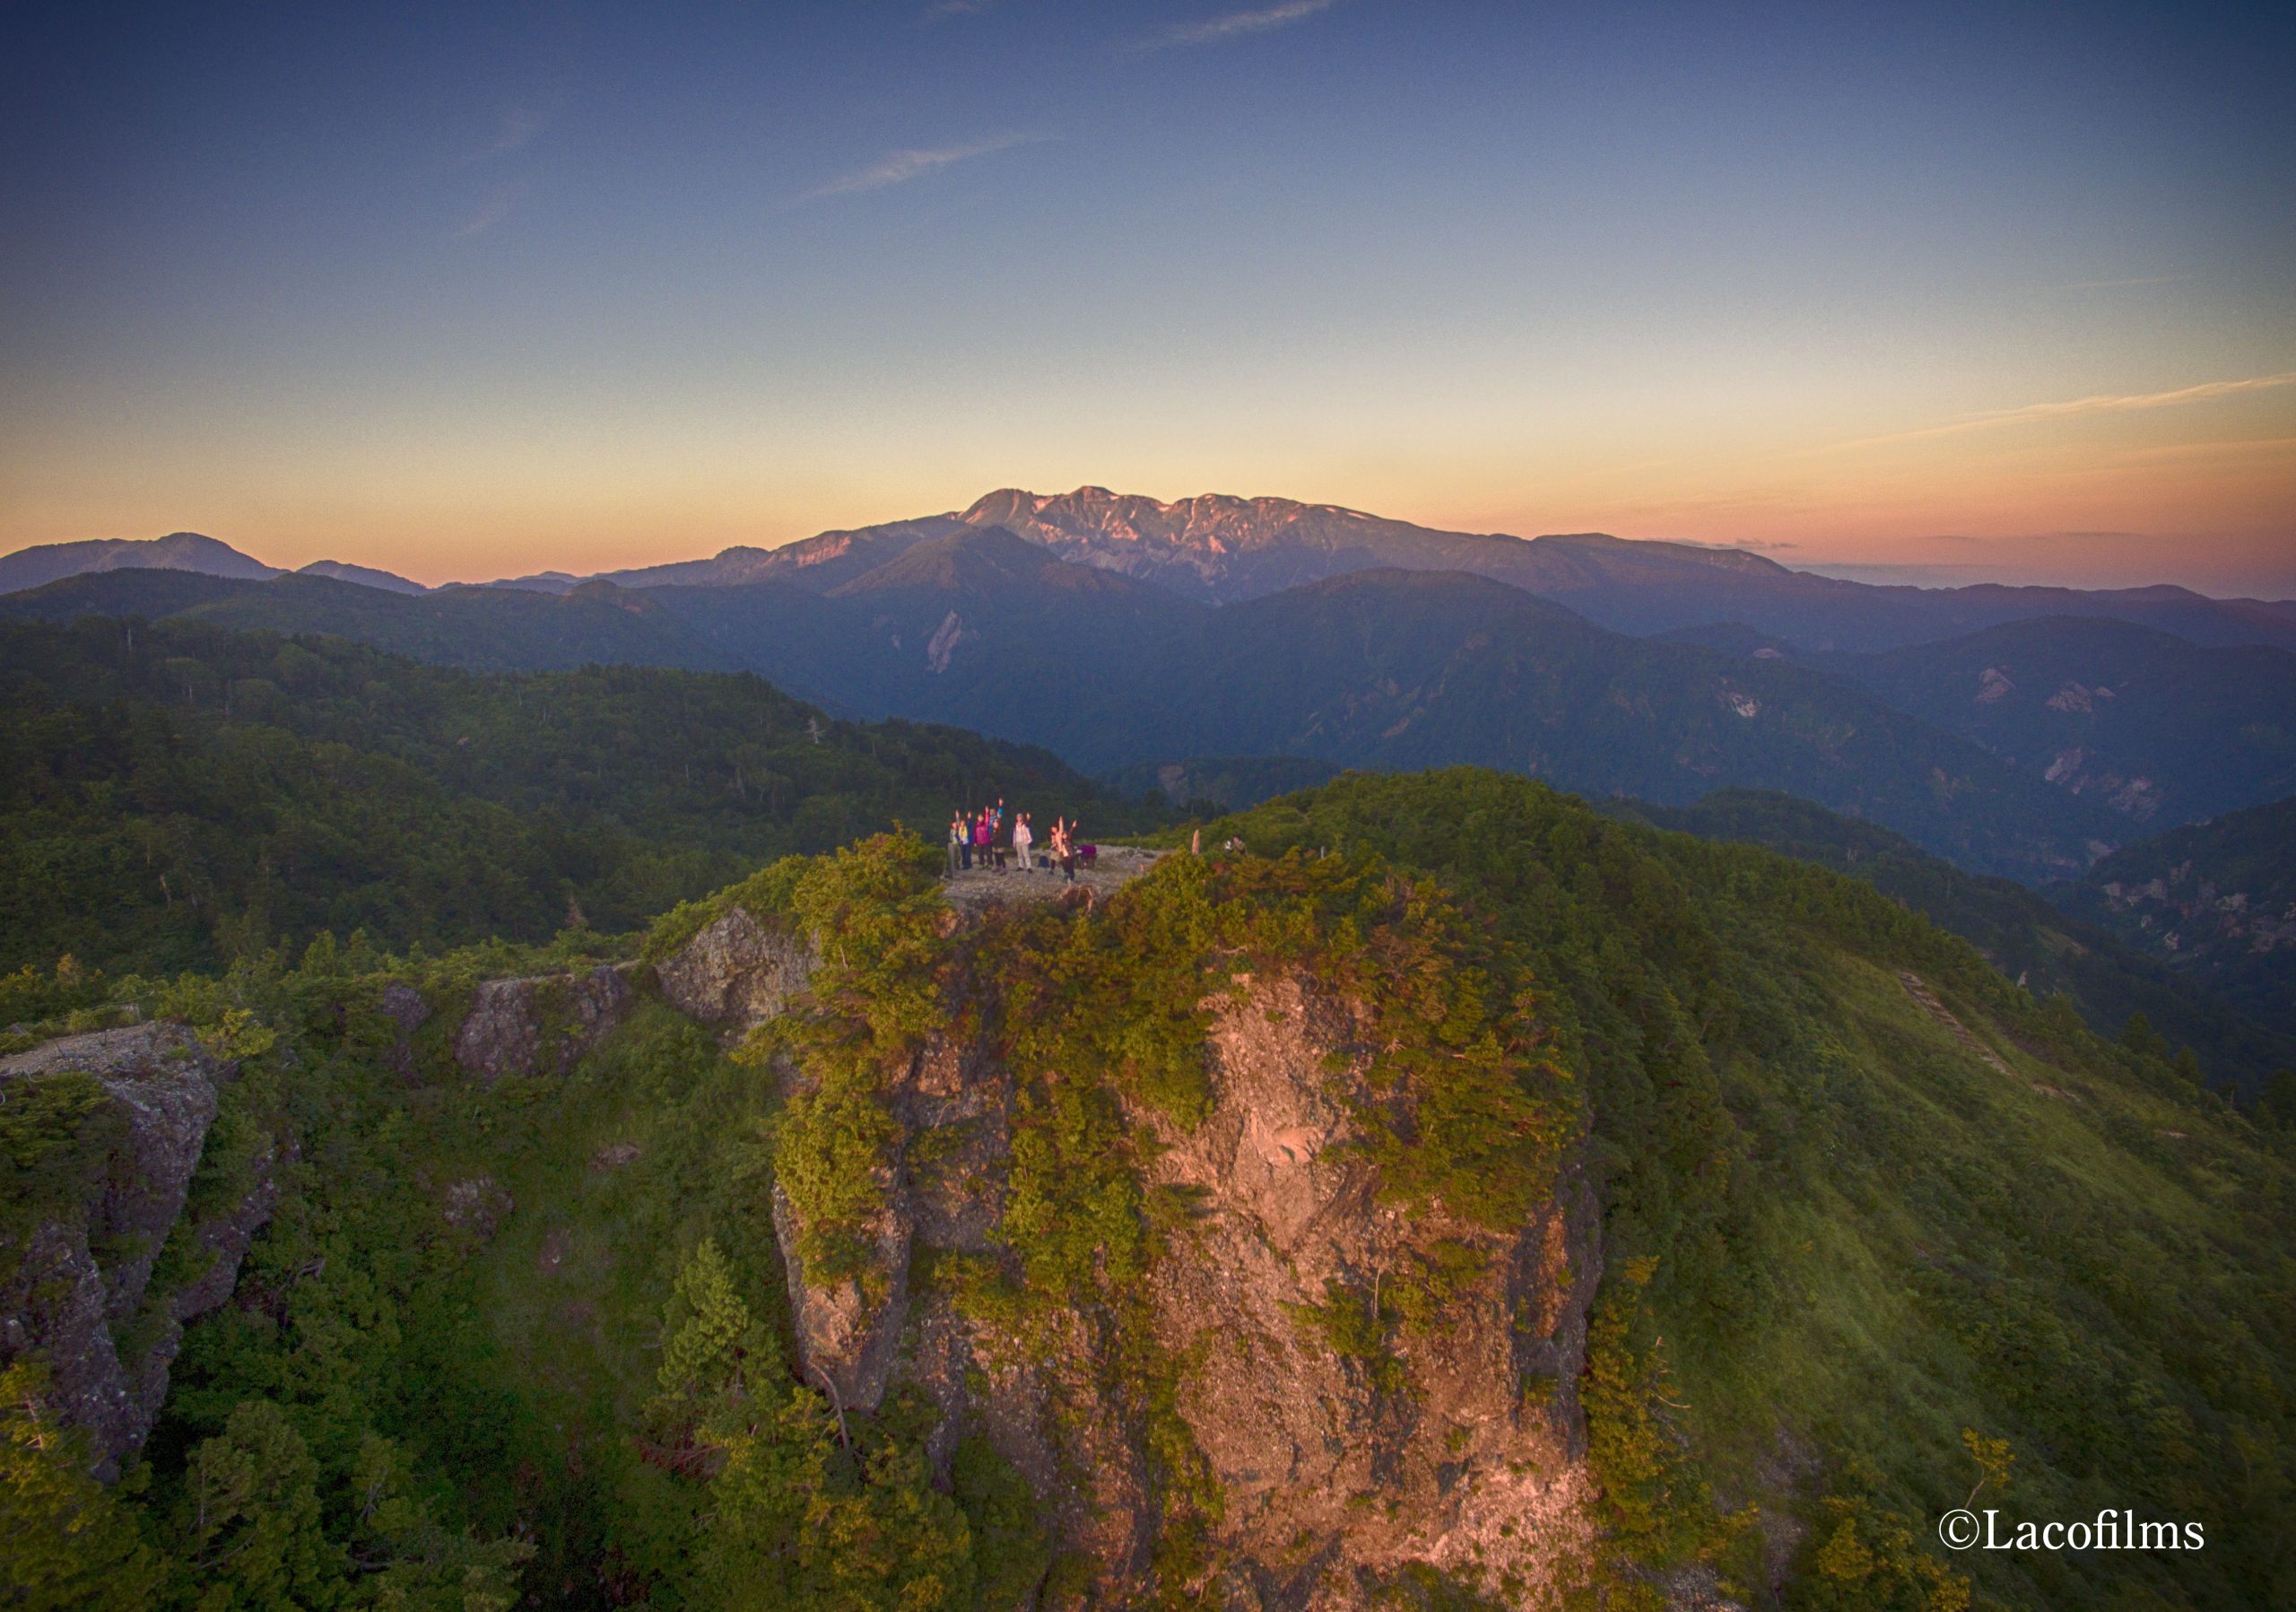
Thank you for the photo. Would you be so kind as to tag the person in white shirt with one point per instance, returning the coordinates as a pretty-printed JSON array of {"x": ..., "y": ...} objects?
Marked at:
[{"x": 1022, "y": 840}]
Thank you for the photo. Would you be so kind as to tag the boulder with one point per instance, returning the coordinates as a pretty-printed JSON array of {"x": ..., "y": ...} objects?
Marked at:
[
  {"x": 736, "y": 971},
  {"x": 478, "y": 1206},
  {"x": 541, "y": 1026}
]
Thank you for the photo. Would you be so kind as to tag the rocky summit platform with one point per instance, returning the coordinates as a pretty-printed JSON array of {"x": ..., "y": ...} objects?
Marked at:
[{"x": 1114, "y": 867}]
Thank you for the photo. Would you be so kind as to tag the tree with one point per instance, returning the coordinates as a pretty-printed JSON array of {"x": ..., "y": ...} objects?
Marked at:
[
  {"x": 716, "y": 1356},
  {"x": 416, "y": 1564},
  {"x": 249, "y": 1520},
  {"x": 2140, "y": 1038},
  {"x": 1993, "y": 1458},
  {"x": 70, "y": 1545}
]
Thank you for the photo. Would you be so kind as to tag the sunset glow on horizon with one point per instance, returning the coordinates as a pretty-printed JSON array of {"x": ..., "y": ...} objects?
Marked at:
[{"x": 1991, "y": 293}]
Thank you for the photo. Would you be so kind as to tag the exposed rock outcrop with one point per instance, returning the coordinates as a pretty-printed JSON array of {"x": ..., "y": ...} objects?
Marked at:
[
  {"x": 541, "y": 1025},
  {"x": 76, "y": 1273},
  {"x": 478, "y": 1205},
  {"x": 736, "y": 971},
  {"x": 1453, "y": 1438},
  {"x": 1302, "y": 1437},
  {"x": 849, "y": 1325}
]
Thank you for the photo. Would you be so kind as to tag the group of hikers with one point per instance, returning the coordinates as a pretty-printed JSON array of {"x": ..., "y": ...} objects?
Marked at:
[{"x": 981, "y": 839}]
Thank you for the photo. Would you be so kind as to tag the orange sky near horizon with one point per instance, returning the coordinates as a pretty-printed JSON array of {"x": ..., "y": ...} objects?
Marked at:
[{"x": 2195, "y": 486}]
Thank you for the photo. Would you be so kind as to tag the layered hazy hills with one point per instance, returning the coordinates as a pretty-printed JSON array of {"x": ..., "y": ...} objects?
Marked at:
[
  {"x": 476, "y": 629},
  {"x": 2025, "y": 749},
  {"x": 2161, "y": 729},
  {"x": 186, "y": 553},
  {"x": 2214, "y": 900},
  {"x": 1399, "y": 670},
  {"x": 178, "y": 550},
  {"x": 1385, "y": 669},
  {"x": 814, "y": 564},
  {"x": 366, "y": 576}
]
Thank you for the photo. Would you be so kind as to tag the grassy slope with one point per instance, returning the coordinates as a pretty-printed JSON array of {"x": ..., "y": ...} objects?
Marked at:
[{"x": 2027, "y": 937}]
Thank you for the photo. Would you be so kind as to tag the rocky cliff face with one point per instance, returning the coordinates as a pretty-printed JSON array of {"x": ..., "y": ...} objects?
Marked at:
[
  {"x": 115, "y": 1124},
  {"x": 1341, "y": 1388},
  {"x": 1428, "y": 1442}
]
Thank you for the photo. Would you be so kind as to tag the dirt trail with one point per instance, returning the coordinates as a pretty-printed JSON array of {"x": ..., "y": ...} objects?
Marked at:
[
  {"x": 1114, "y": 867},
  {"x": 1920, "y": 992}
]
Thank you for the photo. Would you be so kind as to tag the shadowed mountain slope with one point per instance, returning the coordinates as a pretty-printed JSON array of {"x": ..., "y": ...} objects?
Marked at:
[
  {"x": 366, "y": 576},
  {"x": 2161, "y": 729},
  {"x": 178, "y": 551},
  {"x": 2215, "y": 902},
  {"x": 1399, "y": 670}
]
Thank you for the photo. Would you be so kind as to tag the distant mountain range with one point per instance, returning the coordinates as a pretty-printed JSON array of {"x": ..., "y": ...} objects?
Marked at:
[
  {"x": 2160, "y": 729},
  {"x": 178, "y": 551},
  {"x": 1383, "y": 669},
  {"x": 1218, "y": 549},
  {"x": 1134, "y": 637}
]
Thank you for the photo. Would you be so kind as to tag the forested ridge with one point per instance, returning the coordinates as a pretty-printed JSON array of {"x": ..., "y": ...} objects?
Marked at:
[
  {"x": 2049, "y": 948},
  {"x": 178, "y": 796},
  {"x": 528, "y": 1341}
]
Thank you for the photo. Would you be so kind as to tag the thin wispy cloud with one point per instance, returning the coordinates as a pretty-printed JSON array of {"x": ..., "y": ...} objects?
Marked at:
[
  {"x": 898, "y": 168},
  {"x": 1239, "y": 25},
  {"x": 2117, "y": 284},
  {"x": 2034, "y": 414},
  {"x": 2235, "y": 448},
  {"x": 941, "y": 11},
  {"x": 490, "y": 210}
]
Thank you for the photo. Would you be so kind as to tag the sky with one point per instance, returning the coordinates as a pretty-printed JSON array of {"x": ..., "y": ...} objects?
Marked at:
[{"x": 465, "y": 291}]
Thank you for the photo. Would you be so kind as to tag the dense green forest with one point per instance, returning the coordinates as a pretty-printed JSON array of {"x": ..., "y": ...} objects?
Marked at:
[
  {"x": 528, "y": 1342},
  {"x": 178, "y": 797}
]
